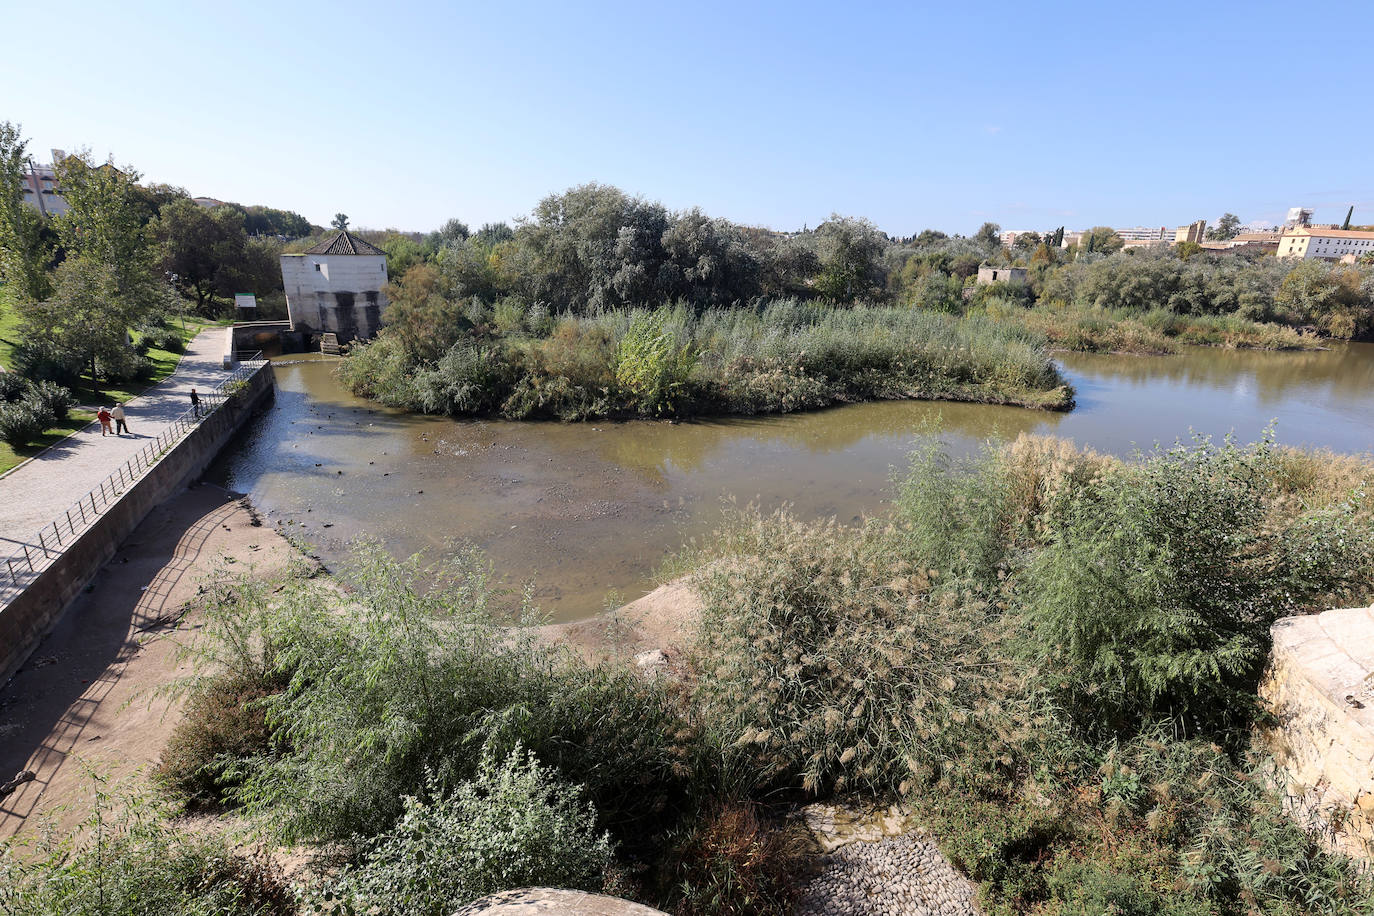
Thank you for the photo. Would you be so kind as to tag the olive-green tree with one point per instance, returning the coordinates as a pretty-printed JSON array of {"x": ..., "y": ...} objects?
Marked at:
[{"x": 24, "y": 253}]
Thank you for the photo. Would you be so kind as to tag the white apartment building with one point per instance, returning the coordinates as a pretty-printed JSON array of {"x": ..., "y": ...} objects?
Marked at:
[
  {"x": 1145, "y": 234},
  {"x": 1303, "y": 242}
]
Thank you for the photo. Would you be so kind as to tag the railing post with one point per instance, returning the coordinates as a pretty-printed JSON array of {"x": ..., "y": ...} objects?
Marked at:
[
  {"x": 28, "y": 558},
  {"x": 13, "y": 577},
  {"x": 82, "y": 510},
  {"x": 57, "y": 532},
  {"x": 94, "y": 510},
  {"x": 69, "y": 523},
  {"x": 44, "y": 544}
]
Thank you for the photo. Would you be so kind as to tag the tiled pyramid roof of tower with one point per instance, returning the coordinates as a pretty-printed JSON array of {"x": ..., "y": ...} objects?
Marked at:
[{"x": 345, "y": 243}]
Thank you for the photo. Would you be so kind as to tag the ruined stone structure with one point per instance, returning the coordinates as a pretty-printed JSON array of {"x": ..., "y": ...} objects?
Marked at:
[
  {"x": 1320, "y": 687},
  {"x": 988, "y": 275},
  {"x": 336, "y": 287}
]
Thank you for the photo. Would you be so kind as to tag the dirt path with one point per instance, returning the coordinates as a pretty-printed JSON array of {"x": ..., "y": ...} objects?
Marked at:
[{"x": 87, "y": 698}]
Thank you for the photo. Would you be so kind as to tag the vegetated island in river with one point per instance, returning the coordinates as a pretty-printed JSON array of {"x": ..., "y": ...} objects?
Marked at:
[{"x": 784, "y": 356}]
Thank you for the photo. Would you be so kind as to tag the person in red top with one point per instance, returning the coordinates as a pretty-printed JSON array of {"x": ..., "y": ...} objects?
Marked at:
[{"x": 103, "y": 415}]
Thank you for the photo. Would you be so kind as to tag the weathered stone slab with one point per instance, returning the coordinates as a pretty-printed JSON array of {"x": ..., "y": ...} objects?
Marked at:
[
  {"x": 547, "y": 901},
  {"x": 1320, "y": 686}
]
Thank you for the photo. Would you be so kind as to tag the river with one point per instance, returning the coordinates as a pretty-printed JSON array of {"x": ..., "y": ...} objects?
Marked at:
[{"x": 584, "y": 513}]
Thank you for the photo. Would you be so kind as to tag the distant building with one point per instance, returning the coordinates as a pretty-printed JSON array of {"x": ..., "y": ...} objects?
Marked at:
[
  {"x": 39, "y": 183},
  {"x": 336, "y": 287},
  {"x": 1144, "y": 234},
  {"x": 1193, "y": 232},
  {"x": 1302, "y": 243},
  {"x": 988, "y": 275},
  {"x": 1073, "y": 238},
  {"x": 1009, "y": 238}
]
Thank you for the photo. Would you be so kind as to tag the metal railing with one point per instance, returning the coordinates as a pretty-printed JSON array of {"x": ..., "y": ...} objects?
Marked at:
[{"x": 52, "y": 540}]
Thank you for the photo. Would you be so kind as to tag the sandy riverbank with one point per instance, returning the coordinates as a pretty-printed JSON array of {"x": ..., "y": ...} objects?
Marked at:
[{"x": 88, "y": 699}]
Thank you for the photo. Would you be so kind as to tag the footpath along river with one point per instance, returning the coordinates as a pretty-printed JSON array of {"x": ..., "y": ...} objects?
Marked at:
[{"x": 586, "y": 512}]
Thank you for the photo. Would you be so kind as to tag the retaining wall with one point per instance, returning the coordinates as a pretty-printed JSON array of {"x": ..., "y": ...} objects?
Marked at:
[{"x": 26, "y": 619}]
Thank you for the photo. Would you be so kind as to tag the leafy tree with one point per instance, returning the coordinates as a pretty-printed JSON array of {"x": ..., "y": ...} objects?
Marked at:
[
  {"x": 421, "y": 316},
  {"x": 453, "y": 231},
  {"x": 989, "y": 235},
  {"x": 105, "y": 225},
  {"x": 207, "y": 251},
  {"x": 708, "y": 263},
  {"x": 928, "y": 237},
  {"x": 1058, "y": 240},
  {"x": 1101, "y": 239},
  {"x": 1027, "y": 241},
  {"x": 1348, "y": 213},
  {"x": 340, "y": 221},
  {"x": 271, "y": 221},
  {"x": 491, "y": 233},
  {"x": 1228, "y": 227},
  {"x": 850, "y": 249},
  {"x": 86, "y": 315},
  {"x": 24, "y": 251}
]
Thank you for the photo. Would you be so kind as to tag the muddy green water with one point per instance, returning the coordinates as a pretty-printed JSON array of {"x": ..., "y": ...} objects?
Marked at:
[{"x": 585, "y": 512}]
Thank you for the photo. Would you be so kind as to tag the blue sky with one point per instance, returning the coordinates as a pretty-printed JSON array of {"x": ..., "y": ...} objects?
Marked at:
[{"x": 915, "y": 115}]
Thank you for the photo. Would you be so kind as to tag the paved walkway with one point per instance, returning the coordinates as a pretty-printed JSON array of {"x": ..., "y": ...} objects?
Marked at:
[{"x": 37, "y": 492}]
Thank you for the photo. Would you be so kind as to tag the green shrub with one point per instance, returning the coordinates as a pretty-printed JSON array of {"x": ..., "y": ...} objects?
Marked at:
[
  {"x": 123, "y": 365},
  {"x": 515, "y": 824},
  {"x": 23, "y": 422},
  {"x": 41, "y": 360},
  {"x": 168, "y": 339},
  {"x": 51, "y": 398},
  {"x": 1159, "y": 583},
  {"x": 469, "y": 378},
  {"x": 12, "y": 387},
  {"x": 138, "y": 865},
  {"x": 411, "y": 677}
]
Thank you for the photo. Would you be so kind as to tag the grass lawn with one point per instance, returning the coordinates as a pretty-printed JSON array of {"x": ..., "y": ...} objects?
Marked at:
[{"x": 164, "y": 364}]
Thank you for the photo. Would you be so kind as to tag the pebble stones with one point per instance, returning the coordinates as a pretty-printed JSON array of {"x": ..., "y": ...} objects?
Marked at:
[
  {"x": 880, "y": 862},
  {"x": 899, "y": 876}
]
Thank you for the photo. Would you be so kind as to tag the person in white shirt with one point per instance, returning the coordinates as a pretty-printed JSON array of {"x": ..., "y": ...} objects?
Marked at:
[{"x": 118, "y": 414}]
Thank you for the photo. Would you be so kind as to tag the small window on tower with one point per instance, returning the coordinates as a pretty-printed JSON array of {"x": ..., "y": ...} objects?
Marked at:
[{"x": 317, "y": 267}]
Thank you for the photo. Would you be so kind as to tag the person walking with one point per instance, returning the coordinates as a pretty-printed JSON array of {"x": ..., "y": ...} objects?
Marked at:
[
  {"x": 103, "y": 415},
  {"x": 195, "y": 403},
  {"x": 118, "y": 414}
]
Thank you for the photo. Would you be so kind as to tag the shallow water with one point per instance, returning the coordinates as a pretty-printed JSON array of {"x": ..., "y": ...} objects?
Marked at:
[{"x": 581, "y": 511}]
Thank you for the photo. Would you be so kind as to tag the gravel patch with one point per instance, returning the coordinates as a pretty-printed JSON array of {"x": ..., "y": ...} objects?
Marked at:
[{"x": 898, "y": 876}]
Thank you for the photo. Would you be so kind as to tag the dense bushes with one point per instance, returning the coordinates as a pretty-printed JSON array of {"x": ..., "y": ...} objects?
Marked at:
[
  {"x": 410, "y": 683},
  {"x": 1053, "y": 656},
  {"x": 27, "y": 409},
  {"x": 777, "y": 357},
  {"x": 515, "y": 824}
]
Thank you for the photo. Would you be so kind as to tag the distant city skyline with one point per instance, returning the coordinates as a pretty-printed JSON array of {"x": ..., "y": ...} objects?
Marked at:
[{"x": 765, "y": 114}]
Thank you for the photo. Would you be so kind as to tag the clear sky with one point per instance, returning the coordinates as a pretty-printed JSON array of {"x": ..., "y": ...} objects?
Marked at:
[{"x": 1030, "y": 114}]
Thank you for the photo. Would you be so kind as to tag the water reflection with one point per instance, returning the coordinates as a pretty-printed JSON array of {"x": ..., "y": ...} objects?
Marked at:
[{"x": 579, "y": 509}]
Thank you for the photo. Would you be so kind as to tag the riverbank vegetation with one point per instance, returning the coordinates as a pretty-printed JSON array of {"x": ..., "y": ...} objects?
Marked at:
[
  {"x": 1050, "y": 656},
  {"x": 672, "y": 361},
  {"x": 528, "y": 321}
]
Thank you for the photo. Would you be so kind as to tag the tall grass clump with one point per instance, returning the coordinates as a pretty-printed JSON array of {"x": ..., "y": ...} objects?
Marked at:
[
  {"x": 671, "y": 361},
  {"x": 827, "y": 663}
]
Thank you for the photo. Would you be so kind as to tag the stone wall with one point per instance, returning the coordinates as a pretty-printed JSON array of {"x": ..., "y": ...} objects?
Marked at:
[
  {"x": 36, "y": 610},
  {"x": 1320, "y": 687}
]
